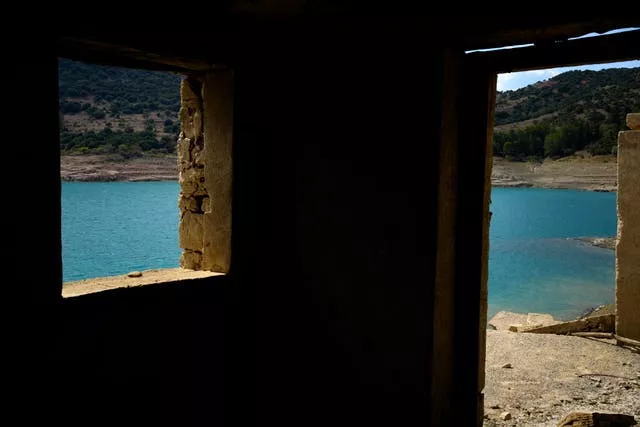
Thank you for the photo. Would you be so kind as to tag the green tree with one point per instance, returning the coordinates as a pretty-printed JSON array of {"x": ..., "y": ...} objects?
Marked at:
[{"x": 553, "y": 144}]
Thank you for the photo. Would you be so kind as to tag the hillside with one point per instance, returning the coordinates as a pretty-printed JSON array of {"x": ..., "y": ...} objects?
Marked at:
[
  {"x": 110, "y": 116},
  {"x": 111, "y": 110},
  {"x": 573, "y": 111}
]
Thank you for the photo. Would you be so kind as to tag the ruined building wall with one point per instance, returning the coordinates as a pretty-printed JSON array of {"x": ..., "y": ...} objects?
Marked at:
[
  {"x": 204, "y": 163},
  {"x": 193, "y": 192},
  {"x": 628, "y": 243}
]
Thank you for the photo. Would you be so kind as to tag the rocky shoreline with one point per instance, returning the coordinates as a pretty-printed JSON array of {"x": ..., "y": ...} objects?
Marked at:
[
  {"x": 601, "y": 242},
  {"x": 597, "y": 173},
  {"x": 600, "y": 310}
]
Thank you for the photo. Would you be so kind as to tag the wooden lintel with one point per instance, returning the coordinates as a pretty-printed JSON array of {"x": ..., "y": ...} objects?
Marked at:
[
  {"x": 591, "y": 50},
  {"x": 116, "y": 55},
  {"x": 627, "y": 341},
  {"x": 606, "y": 335}
]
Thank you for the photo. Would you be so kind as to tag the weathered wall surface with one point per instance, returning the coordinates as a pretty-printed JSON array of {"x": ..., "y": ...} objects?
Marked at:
[
  {"x": 335, "y": 203},
  {"x": 193, "y": 192},
  {"x": 327, "y": 314},
  {"x": 204, "y": 164},
  {"x": 337, "y": 175},
  {"x": 217, "y": 96},
  {"x": 151, "y": 355},
  {"x": 628, "y": 245}
]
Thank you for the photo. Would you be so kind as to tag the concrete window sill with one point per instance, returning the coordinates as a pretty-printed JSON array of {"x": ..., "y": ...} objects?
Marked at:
[{"x": 148, "y": 277}]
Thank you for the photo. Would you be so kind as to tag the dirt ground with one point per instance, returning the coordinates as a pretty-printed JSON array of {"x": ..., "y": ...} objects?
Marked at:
[
  {"x": 132, "y": 279},
  {"x": 114, "y": 168},
  {"x": 540, "y": 378},
  {"x": 597, "y": 173},
  {"x": 582, "y": 172}
]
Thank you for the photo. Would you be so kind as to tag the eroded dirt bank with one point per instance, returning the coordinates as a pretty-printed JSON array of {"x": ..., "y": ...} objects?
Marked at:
[
  {"x": 576, "y": 172},
  {"x": 598, "y": 173},
  {"x": 115, "y": 168}
]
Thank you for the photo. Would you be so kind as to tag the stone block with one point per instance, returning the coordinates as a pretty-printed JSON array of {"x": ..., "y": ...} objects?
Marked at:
[
  {"x": 191, "y": 260},
  {"x": 524, "y": 328},
  {"x": 633, "y": 121},
  {"x": 505, "y": 416},
  {"x": 201, "y": 190},
  {"x": 504, "y": 319},
  {"x": 541, "y": 319},
  {"x": 188, "y": 188},
  {"x": 190, "y": 108},
  {"x": 184, "y": 154},
  {"x": 187, "y": 204},
  {"x": 205, "y": 206},
  {"x": 628, "y": 244},
  {"x": 192, "y": 126},
  {"x": 190, "y": 231},
  {"x": 187, "y": 95},
  {"x": 520, "y": 322},
  {"x": 604, "y": 323},
  {"x": 596, "y": 419},
  {"x": 197, "y": 155},
  {"x": 216, "y": 253},
  {"x": 192, "y": 182}
]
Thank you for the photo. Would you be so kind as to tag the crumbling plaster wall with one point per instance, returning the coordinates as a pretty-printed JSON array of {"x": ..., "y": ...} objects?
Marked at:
[
  {"x": 628, "y": 242},
  {"x": 204, "y": 163}
]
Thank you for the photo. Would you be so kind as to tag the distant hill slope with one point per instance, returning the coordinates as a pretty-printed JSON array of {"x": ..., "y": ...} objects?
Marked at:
[
  {"x": 576, "y": 110},
  {"x": 117, "y": 110},
  {"x": 111, "y": 110}
]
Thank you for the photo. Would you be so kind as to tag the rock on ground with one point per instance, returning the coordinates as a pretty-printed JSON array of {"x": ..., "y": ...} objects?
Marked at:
[{"x": 517, "y": 322}]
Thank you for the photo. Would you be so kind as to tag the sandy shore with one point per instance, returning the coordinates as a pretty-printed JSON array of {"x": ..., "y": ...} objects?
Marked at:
[
  {"x": 597, "y": 173},
  {"x": 114, "y": 168}
]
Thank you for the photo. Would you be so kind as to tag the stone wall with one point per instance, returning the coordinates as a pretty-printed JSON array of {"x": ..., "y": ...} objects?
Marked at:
[
  {"x": 193, "y": 192},
  {"x": 628, "y": 242},
  {"x": 204, "y": 163}
]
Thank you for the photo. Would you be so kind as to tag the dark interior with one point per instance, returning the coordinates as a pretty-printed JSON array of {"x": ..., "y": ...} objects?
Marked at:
[{"x": 359, "y": 203}]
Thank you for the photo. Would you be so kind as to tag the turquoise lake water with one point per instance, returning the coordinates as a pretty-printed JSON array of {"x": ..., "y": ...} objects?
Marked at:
[
  {"x": 534, "y": 266},
  {"x": 116, "y": 227},
  {"x": 111, "y": 228}
]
